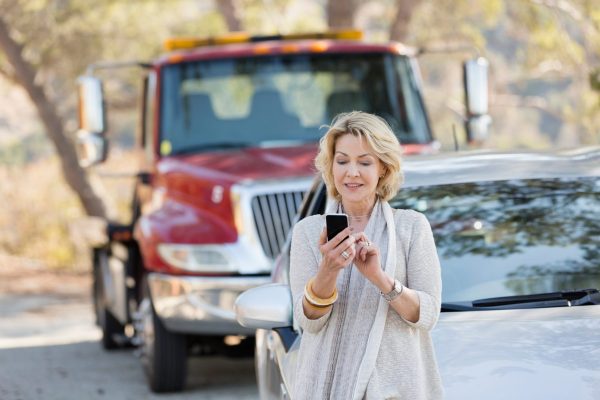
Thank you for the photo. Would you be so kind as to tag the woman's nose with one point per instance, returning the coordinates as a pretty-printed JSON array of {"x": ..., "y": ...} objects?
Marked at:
[{"x": 352, "y": 170}]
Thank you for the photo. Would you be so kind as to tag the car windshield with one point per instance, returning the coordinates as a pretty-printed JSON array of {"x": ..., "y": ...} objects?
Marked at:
[
  {"x": 274, "y": 100},
  {"x": 515, "y": 237}
]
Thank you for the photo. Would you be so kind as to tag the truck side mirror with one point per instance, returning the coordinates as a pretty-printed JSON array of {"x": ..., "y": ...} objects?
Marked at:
[
  {"x": 478, "y": 121},
  {"x": 92, "y": 146},
  {"x": 91, "y": 105}
]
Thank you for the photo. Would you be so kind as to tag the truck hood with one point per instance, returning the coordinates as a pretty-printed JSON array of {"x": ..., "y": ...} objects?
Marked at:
[
  {"x": 520, "y": 354},
  {"x": 232, "y": 166}
]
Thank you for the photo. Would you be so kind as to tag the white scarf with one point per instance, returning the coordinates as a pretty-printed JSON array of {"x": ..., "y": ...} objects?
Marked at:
[{"x": 369, "y": 347}]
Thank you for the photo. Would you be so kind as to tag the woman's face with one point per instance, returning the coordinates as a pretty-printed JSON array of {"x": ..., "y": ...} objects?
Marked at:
[{"x": 356, "y": 169}]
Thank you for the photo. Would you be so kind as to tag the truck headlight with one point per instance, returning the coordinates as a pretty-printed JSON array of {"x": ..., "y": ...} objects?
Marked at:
[{"x": 197, "y": 258}]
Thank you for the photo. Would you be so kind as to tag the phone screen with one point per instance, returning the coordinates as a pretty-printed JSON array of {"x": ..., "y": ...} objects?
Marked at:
[{"x": 335, "y": 224}]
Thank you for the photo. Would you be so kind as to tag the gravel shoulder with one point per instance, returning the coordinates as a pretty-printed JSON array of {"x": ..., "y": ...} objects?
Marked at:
[{"x": 49, "y": 347}]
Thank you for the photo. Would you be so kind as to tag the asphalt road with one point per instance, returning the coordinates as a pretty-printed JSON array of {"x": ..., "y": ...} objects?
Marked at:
[{"x": 49, "y": 350}]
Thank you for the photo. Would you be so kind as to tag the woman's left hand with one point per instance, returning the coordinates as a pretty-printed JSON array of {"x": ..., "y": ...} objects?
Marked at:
[{"x": 367, "y": 259}]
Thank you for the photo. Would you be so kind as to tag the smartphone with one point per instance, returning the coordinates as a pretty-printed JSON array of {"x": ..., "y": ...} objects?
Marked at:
[{"x": 335, "y": 224}]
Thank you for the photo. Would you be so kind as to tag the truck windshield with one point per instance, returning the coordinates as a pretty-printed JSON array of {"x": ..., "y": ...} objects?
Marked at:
[{"x": 282, "y": 100}]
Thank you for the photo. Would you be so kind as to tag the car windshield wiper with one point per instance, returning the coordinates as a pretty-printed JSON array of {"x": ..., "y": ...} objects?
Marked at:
[
  {"x": 569, "y": 298},
  {"x": 212, "y": 146}
]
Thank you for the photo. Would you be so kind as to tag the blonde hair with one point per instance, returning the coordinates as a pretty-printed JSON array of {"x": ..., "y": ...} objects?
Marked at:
[{"x": 380, "y": 138}]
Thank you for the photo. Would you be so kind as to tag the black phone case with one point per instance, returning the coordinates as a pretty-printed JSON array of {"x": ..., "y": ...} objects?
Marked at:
[{"x": 335, "y": 224}]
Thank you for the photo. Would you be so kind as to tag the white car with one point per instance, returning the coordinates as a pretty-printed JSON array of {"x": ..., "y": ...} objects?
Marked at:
[{"x": 518, "y": 236}]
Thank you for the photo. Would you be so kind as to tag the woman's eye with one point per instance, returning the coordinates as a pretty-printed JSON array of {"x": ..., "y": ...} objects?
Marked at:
[
  {"x": 366, "y": 164},
  {"x": 340, "y": 162}
]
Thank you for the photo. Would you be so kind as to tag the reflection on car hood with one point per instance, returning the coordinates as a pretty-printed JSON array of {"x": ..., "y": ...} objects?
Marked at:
[{"x": 544, "y": 353}]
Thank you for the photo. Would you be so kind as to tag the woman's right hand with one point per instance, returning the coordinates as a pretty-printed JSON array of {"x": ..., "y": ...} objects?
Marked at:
[
  {"x": 332, "y": 263},
  {"x": 338, "y": 252}
]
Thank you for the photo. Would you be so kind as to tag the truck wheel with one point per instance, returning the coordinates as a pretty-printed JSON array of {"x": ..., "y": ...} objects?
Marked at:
[
  {"x": 110, "y": 326},
  {"x": 164, "y": 353}
]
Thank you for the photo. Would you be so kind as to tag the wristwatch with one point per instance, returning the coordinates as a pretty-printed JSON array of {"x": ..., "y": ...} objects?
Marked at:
[{"x": 395, "y": 292}]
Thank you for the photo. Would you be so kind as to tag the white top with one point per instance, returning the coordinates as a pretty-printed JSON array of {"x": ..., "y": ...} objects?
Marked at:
[{"x": 362, "y": 348}]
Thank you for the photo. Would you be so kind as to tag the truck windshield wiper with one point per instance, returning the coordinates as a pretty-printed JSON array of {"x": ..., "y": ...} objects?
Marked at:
[
  {"x": 212, "y": 146},
  {"x": 569, "y": 298}
]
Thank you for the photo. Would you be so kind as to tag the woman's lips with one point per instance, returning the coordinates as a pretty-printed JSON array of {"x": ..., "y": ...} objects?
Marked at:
[{"x": 353, "y": 185}]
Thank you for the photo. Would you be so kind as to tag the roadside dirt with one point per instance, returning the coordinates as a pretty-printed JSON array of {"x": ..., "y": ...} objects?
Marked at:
[
  {"x": 26, "y": 278},
  {"x": 49, "y": 346}
]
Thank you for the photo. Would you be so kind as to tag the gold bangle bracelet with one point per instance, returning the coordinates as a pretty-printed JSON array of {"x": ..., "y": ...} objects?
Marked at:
[
  {"x": 316, "y": 308},
  {"x": 315, "y": 300},
  {"x": 330, "y": 299}
]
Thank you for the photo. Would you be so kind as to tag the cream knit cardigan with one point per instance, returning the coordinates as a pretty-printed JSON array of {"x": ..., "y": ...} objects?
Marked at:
[{"x": 362, "y": 348}]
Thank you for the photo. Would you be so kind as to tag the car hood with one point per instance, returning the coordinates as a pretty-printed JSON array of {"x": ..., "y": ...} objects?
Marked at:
[{"x": 544, "y": 353}]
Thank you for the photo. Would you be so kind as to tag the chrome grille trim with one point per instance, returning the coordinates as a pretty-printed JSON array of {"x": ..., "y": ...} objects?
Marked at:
[
  {"x": 266, "y": 211},
  {"x": 274, "y": 217}
]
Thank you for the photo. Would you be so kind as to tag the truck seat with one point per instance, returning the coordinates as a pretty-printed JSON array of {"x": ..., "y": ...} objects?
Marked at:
[
  {"x": 199, "y": 112},
  {"x": 267, "y": 113},
  {"x": 345, "y": 101}
]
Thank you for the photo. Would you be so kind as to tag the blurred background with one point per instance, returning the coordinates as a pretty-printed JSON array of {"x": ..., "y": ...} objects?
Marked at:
[{"x": 544, "y": 80}]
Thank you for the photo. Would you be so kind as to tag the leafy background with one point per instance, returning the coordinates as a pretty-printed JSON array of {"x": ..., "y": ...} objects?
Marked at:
[{"x": 544, "y": 55}]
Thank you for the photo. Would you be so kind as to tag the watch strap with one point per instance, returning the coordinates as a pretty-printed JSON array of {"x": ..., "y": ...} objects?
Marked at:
[{"x": 395, "y": 292}]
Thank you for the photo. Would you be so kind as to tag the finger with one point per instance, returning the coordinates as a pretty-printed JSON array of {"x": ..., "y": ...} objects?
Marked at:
[
  {"x": 363, "y": 253},
  {"x": 323, "y": 237},
  {"x": 351, "y": 252},
  {"x": 345, "y": 245},
  {"x": 339, "y": 238}
]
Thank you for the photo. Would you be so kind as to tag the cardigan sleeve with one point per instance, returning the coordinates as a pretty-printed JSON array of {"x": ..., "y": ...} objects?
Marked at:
[
  {"x": 303, "y": 266},
  {"x": 424, "y": 274}
]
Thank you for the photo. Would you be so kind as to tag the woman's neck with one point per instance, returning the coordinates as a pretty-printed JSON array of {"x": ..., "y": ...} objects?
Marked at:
[{"x": 358, "y": 210}]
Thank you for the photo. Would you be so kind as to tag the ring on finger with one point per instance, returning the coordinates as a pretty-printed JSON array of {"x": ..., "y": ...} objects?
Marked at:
[
  {"x": 345, "y": 254},
  {"x": 368, "y": 244}
]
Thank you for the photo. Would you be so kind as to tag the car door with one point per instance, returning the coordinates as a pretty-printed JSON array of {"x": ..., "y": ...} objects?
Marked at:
[{"x": 276, "y": 349}]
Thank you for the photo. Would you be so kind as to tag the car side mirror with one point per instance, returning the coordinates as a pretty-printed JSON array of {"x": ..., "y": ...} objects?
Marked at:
[
  {"x": 476, "y": 96},
  {"x": 265, "y": 307}
]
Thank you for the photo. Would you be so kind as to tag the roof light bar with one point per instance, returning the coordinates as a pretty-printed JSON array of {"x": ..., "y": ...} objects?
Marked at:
[{"x": 241, "y": 37}]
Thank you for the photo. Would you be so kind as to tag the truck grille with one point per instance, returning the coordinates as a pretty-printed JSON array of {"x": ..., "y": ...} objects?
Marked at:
[{"x": 274, "y": 215}]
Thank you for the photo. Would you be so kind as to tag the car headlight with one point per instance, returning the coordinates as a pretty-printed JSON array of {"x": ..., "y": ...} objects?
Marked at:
[{"x": 197, "y": 258}]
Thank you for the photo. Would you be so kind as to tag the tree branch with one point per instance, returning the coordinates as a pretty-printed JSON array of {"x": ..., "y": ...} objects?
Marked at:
[
  {"x": 400, "y": 24},
  {"x": 340, "y": 13},
  {"x": 227, "y": 9},
  {"x": 11, "y": 77}
]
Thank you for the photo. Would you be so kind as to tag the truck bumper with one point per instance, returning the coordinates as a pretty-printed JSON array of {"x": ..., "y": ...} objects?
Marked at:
[{"x": 200, "y": 305}]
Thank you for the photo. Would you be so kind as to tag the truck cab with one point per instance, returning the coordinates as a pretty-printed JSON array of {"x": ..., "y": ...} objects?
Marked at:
[{"x": 229, "y": 128}]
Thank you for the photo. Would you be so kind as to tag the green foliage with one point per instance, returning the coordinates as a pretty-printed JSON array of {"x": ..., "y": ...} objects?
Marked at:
[{"x": 20, "y": 152}]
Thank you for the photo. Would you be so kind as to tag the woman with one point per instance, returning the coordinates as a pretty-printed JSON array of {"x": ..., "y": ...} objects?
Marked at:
[{"x": 367, "y": 299}]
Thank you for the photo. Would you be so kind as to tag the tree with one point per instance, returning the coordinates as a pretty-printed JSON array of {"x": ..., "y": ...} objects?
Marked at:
[{"x": 24, "y": 74}]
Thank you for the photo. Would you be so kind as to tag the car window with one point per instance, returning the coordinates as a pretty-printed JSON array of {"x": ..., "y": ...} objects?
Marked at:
[{"x": 512, "y": 237}]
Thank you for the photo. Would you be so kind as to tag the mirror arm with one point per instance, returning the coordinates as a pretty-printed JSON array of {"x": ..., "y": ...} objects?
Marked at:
[
  {"x": 92, "y": 68},
  {"x": 459, "y": 48}
]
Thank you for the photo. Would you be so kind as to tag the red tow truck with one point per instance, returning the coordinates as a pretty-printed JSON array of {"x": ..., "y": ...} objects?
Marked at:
[{"x": 228, "y": 132}]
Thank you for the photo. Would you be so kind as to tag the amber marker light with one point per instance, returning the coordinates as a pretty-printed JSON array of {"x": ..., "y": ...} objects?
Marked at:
[
  {"x": 290, "y": 48},
  {"x": 261, "y": 49},
  {"x": 318, "y": 47},
  {"x": 175, "y": 58}
]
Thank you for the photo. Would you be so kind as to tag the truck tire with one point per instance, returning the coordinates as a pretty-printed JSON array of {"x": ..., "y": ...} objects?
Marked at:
[
  {"x": 110, "y": 326},
  {"x": 164, "y": 353}
]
